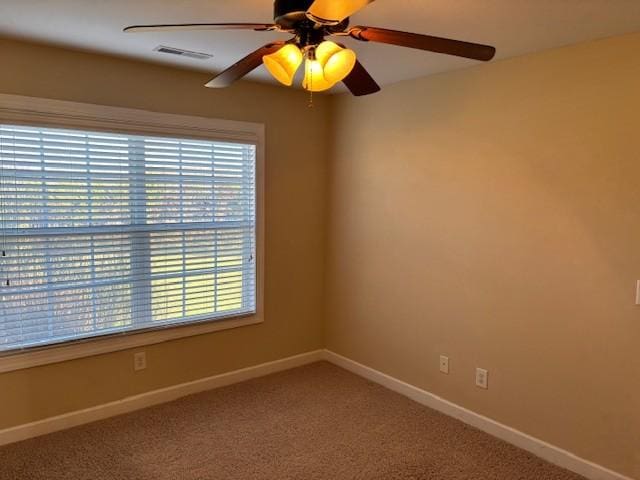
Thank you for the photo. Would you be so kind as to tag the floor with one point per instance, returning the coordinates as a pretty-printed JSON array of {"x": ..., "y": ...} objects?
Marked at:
[{"x": 313, "y": 422}]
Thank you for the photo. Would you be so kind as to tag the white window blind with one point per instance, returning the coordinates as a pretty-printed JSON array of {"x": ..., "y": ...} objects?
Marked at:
[{"x": 106, "y": 233}]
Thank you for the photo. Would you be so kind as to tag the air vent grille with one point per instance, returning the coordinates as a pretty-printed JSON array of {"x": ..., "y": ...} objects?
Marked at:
[{"x": 182, "y": 53}]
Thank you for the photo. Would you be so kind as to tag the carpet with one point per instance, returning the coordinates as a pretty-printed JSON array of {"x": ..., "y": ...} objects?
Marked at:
[{"x": 313, "y": 422}]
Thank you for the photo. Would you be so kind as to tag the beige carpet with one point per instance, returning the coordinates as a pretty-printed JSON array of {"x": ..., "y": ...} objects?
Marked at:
[{"x": 314, "y": 422}]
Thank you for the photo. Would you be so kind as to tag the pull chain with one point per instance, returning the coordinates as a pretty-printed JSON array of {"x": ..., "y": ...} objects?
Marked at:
[
  {"x": 311, "y": 85},
  {"x": 311, "y": 56}
]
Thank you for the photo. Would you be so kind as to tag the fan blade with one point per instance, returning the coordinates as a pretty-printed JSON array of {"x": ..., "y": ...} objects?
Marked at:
[
  {"x": 359, "y": 82},
  {"x": 201, "y": 26},
  {"x": 244, "y": 66},
  {"x": 424, "y": 42},
  {"x": 334, "y": 11}
]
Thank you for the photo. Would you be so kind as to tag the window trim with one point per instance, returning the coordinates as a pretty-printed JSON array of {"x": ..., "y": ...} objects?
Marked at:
[{"x": 63, "y": 114}]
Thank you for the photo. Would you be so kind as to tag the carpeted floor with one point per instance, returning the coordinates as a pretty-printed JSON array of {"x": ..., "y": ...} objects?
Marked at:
[{"x": 314, "y": 422}]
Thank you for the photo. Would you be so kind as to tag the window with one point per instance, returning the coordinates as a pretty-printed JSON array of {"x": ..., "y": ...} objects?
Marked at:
[{"x": 107, "y": 233}]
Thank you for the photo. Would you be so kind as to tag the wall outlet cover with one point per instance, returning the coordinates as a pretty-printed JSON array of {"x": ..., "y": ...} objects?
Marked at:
[
  {"x": 139, "y": 361},
  {"x": 444, "y": 364},
  {"x": 482, "y": 378}
]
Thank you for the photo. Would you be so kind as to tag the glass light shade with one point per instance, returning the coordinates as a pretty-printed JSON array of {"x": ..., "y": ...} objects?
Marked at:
[
  {"x": 284, "y": 63},
  {"x": 314, "y": 80},
  {"x": 336, "y": 61},
  {"x": 337, "y": 10}
]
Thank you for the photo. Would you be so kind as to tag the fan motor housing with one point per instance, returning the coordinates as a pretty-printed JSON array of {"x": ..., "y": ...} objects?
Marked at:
[{"x": 288, "y": 13}]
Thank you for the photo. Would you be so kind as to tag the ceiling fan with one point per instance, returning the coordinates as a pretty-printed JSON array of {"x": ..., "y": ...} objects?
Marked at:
[{"x": 326, "y": 62}]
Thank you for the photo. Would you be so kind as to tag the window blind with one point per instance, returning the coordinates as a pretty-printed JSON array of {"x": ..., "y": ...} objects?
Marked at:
[{"x": 106, "y": 233}]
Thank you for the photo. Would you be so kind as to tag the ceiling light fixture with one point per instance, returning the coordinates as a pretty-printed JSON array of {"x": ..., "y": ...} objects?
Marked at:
[{"x": 325, "y": 64}]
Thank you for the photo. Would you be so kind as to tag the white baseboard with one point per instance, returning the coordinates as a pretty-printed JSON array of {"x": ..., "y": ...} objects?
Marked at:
[
  {"x": 541, "y": 449},
  {"x": 155, "y": 397},
  {"x": 544, "y": 450}
]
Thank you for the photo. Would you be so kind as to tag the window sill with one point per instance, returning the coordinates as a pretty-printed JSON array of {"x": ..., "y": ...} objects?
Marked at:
[{"x": 118, "y": 342}]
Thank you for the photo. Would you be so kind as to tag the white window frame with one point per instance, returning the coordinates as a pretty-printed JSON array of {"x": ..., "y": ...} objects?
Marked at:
[{"x": 32, "y": 111}]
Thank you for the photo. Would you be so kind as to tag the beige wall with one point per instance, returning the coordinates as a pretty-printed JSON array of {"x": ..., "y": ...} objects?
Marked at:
[
  {"x": 488, "y": 214},
  {"x": 295, "y": 199},
  {"x": 493, "y": 215}
]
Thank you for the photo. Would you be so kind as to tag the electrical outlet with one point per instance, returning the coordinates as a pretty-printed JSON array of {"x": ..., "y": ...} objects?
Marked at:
[
  {"x": 139, "y": 361},
  {"x": 482, "y": 378},
  {"x": 444, "y": 364}
]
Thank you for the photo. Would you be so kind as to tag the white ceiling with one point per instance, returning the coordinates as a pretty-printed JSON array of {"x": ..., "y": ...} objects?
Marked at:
[{"x": 514, "y": 27}]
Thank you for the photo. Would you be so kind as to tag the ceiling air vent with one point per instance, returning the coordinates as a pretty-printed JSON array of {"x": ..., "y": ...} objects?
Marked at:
[{"x": 182, "y": 53}]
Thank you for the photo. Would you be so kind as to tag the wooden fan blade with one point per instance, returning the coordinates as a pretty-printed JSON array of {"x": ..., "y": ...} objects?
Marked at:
[
  {"x": 334, "y": 11},
  {"x": 244, "y": 66},
  {"x": 201, "y": 26},
  {"x": 359, "y": 82},
  {"x": 424, "y": 42}
]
